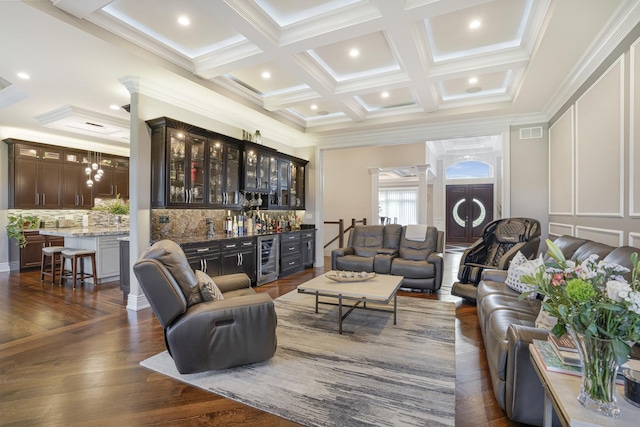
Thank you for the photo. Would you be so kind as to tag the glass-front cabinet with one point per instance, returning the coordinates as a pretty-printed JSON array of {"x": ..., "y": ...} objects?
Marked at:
[
  {"x": 278, "y": 183},
  {"x": 296, "y": 200},
  {"x": 224, "y": 173},
  {"x": 195, "y": 167},
  {"x": 256, "y": 171},
  {"x": 186, "y": 153}
]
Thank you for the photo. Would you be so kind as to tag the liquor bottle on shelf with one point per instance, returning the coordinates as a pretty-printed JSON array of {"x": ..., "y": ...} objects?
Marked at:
[{"x": 234, "y": 229}]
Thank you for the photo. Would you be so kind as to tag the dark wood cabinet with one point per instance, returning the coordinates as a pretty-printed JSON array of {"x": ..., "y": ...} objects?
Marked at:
[
  {"x": 256, "y": 170},
  {"x": 239, "y": 256},
  {"x": 30, "y": 256},
  {"x": 125, "y": 275},
  {"x": 297, "y": 186},
  {"x": 35, "y": 177},
  {"x": 193, "y": 169},
  {"x": 223, "y": 173},
  {"x": 308, "y": 247},
  {"x": 290, "y": 254},
  {"x": 49, "y": 177},
  {"x": 204, "y": 256},
  {"x": 76, "y": 194},
  {"x": 115, "y": 178}
]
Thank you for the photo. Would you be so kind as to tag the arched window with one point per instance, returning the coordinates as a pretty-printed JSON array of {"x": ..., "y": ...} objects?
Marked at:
[{"x": 468, "y": 169}]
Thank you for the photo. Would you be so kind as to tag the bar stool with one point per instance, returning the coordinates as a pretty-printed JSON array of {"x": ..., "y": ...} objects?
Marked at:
[
  {"x": 54, "y": 254},
  {"x": 77, "y": 256}
]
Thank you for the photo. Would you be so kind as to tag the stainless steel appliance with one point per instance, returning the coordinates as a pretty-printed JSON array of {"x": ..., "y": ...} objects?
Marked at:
[{"x": 268, "y": 259}]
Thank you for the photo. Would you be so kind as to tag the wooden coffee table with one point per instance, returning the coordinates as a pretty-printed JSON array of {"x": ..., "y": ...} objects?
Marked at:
[{"x": 381, "y": 290}]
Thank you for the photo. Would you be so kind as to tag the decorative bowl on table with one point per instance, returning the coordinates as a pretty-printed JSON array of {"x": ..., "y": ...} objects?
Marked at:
[{"x": 350, "y": 276}]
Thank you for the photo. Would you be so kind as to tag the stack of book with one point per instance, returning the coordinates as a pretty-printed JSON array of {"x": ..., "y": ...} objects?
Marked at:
[{"x": 566, "y": 350}]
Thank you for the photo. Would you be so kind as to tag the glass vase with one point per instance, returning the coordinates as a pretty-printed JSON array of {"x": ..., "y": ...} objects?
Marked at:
[{"x": 599, "y": 369}]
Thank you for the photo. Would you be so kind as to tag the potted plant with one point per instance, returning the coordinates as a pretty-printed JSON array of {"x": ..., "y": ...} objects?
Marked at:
[
  {"x": 117, "y": 207},
  {"x": 17, "y": 224}
]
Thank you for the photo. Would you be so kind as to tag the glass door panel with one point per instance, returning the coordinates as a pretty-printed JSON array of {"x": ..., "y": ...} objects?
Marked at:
[
  {"x": 197, "y": 145},
  {"x": 233, "y": 175},
  {"x": 216, "y": 161},
  {"x": 264, "y": 172},
  {"x": 177, "y": 156},
  {"x": 283, "y": 199},
  {"x": 251, "y": 170}
]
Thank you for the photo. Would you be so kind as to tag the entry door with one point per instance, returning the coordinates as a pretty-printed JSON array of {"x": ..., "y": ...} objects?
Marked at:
[{"x": 469, "y": 209}]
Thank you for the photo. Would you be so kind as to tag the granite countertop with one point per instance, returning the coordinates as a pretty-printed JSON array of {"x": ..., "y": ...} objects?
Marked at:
[
  {"x": 85, "y": 232},
  {"x": 184, "y": 240}
]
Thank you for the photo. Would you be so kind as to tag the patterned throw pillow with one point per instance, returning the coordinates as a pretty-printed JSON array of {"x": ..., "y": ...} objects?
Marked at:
[
  {"x": 515, "y": 271},
  {"x": 208, "y": 288}
]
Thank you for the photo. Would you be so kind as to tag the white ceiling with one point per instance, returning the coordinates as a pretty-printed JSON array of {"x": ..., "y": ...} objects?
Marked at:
[{"x": 414, "y": 68}]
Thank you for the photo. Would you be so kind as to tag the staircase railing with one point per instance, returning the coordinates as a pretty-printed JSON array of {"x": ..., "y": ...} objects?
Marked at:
[{"x": 342, "y": 230}]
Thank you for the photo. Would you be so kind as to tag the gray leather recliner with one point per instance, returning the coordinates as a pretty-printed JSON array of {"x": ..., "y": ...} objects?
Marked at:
[
  {"x": 384, "y": 249},
  {"x": 201, "y": 336}
]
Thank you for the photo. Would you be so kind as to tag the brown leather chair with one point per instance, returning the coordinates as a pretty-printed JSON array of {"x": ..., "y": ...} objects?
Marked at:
[{"x": 200, "y": 336}]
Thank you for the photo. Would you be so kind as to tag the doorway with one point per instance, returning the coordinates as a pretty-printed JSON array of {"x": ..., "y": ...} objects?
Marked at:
[{"x": 469, "y": 208}]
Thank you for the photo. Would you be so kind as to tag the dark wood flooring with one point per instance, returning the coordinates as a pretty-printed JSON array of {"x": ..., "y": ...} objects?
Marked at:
[{"x": 72, "y": 358}]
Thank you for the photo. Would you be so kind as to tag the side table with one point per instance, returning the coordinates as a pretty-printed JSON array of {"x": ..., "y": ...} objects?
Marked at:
[{"x": 561, "y": 392}]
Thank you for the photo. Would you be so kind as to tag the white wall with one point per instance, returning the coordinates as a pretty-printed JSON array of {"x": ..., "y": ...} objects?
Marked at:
[
  {"x": 529, "y": 175},
  {"x": 347, "y": 181}
]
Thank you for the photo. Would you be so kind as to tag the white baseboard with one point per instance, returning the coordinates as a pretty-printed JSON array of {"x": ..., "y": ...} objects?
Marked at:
[
  {"x": 137, "y": 302},
  {"x": 5, "y": 267}
]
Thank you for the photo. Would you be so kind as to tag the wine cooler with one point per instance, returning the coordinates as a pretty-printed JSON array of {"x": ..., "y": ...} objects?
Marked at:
[{"x": 268, "y": 259}]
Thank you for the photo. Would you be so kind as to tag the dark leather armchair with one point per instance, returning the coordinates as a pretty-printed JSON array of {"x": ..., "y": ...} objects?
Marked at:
[
  {"x": 420, "y": 261},
  {"x": 501, "y": 240},
  {"x": 370, "y": 248},
  {"x": 201, "y": 336}
]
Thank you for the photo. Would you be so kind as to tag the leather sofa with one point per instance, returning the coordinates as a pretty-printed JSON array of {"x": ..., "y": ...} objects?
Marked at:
[
  {"x": 508, "y": 327},
  {"x": 200, "y": 336},
  {"x": 388, "y": 249}
]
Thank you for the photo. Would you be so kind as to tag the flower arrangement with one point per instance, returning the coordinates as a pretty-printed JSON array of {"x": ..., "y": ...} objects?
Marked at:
[
  {"x": 116, "y": 207},
  {"x": 592, "y": 298}
]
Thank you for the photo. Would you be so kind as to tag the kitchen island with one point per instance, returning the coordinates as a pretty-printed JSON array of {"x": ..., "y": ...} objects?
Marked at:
[{"x": 103, "y": 240}]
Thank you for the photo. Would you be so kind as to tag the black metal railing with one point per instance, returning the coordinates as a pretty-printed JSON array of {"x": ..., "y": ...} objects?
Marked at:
[{"x": 342, "y": 230}]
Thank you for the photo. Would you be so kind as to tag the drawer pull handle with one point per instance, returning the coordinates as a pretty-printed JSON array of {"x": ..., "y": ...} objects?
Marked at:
[
  {"x": 292, "y": 262},
  {"x": 230, "y": 246},
  {"x": 202, "y": 250}
]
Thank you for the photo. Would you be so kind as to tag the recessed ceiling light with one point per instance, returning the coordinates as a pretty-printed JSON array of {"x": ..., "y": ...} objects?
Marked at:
[
  {"x": 384, "y": 94},
  {"x": 473, "y": 80},
  {"x": 354, "y": 52},
  {"x": 24, "y": 76},
  {"x": 266, "y": 75},
  {"x": 314, "y": 107},
  {"x": 184, "y": 21},
  {"x": 114, "y": 107},
  {"x": 474, "y": 24}
]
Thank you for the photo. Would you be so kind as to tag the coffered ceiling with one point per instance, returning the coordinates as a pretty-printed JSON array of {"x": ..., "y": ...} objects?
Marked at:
[{"x": 323, "y": 67}]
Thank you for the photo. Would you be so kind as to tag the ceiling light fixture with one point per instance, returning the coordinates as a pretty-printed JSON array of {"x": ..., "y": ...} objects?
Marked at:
[
  {"x": 474, "y": 24},
  {"x": 114, "y": 107},
  {"x": 314, "y": 107},
  {"x": 184, "y": 21},
  {"x": 266, "y": 75},
  {"x": 23, "y": 76},
  {"x": 354, "y": 52},
  {"x": 473, "y": 80},
  {"x": 384, "y": 94}
]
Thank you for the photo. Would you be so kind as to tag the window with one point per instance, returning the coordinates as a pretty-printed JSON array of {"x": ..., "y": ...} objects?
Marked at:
[
  {"x": 468, "y": 169},
  {"x": 400, "y": 204}
]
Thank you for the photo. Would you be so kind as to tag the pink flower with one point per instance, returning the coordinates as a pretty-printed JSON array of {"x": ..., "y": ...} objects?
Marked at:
[{"x": 557, "y": 279}]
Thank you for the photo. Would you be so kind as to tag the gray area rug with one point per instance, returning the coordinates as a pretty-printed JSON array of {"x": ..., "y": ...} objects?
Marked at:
[{"x": 375, "y": 374}]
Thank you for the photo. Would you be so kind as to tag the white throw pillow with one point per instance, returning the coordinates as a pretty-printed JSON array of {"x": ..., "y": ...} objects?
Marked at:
[
  {"x": 520, "y": 266},
  {"x": 208, "y": 288}
]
